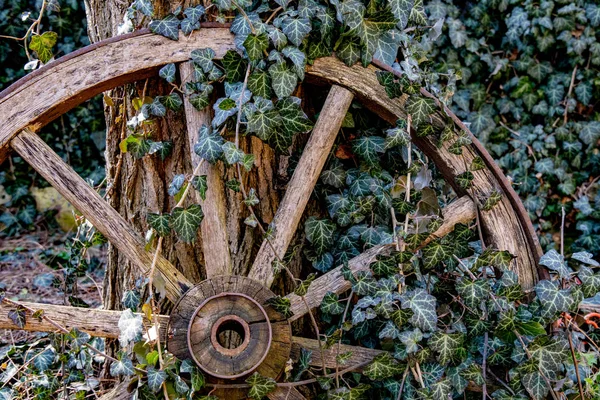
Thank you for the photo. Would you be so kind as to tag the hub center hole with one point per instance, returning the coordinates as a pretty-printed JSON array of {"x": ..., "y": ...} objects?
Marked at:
[{"x": 230, "y": 334}]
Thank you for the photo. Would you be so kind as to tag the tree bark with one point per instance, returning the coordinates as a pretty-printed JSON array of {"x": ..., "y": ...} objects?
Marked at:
[{"x": 137, "y": 187}]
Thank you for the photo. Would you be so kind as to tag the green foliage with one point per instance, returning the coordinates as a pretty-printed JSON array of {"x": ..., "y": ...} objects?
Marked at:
[{"x": 525, "y": 78}]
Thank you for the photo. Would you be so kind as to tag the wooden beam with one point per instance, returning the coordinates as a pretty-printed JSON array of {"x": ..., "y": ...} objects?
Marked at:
[
  {"x": 303, "y": 181},
  {"x": 359, "y": 355},
  {"x": 286, "y": 393},
  {"x": 461, "y": 211},
  {"x": 100, "y": 323},
  {"x": 215, "y": 241},
  {"x": 104, "y": 218}
]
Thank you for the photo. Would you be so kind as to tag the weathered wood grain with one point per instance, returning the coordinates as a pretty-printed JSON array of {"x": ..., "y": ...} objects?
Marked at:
[
  {"x": 359, "y": 355},
  {"x": 303, "y": 181},
  {"x": 214, "y": 225},
  {"x": 461, "y": 211},
  {"x": 507, "y": 226},
  {"x": 104, "y": 218},
  {"x": 286, "y": 393},
  {"x": 100, "y": 323},
  {"x": 78, "y": 77}
]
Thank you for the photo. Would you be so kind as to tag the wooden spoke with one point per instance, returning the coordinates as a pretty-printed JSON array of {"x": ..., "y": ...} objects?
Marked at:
[
  {"x": 507, "y": 224},
  {"x": 100, "y": 323},
  {"x": 302, "y": 183},
  {"x": 461, "y": 211},
  {"x": 105, "y": 218},
  {"x": 215, "y": 241},
  {"x": 359, "y": 355}
]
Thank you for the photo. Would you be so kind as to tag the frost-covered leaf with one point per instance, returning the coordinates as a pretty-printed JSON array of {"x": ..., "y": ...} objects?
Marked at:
[
  {"x": 204, "y": 58},
  {"x": 143, "y": 6},
  {"x": 44, "y": 359},
  {"x": 130, "y": 327},
  {"x": 186, "y": 221},
  {"x": 131, "y": 299},
  {"x": 586, "y": 258}
]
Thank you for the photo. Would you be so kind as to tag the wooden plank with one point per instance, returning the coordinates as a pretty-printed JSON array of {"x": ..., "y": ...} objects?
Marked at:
[
  {"x": 461, "y": 211},
  {"x": 215, "y": 241},
  {"x": 359, "y": 355},
  {"x": 303, "y": 181},
  {"x": 507, "y": 225},
  {"x": 105, "y": 218},
  {"x": 96, "y": 322}
]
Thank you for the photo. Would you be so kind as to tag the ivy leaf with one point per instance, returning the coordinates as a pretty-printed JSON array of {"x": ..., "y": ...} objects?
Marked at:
[
  {"x": 173, "y": 101},
  {"x": 122, "y": 367},
  {"x": 235, "y": 66},
  {"x": 401, "y": 10},
  {"x": 553, "y": 299},
  {"x": 264, "y": 123},
  {"x": 465, "y": 179},
  {"x": 160, "y": 223},
  {"x": 296, "y": 29},
  {"x": 204, "y": 58},
  {"x": 194, "y": 13},
  {"x": 167, "y": 27},
  {"x": 18, "y": 316},
  {"x": 44, "y": 359},
  {"x": 334, "y": 176},
  {"x": 349, "y": 50},
  {"x": 186, "y": 221},
  {"x": 320, "y": 233},
  {"x": 260, "y": 386},
  {"x": 156, "y": 378},
  {"x": 556, "y": 262},
  {"x": 201, "y": 185},
  {"x": 535, "y": 385},
  {"x": 302, "y": 288},
  {"x": 472, "y": 292},
  {"x": 168, "y": 73},
  {"x": 364, "y": 285},
  {"x": 297, "y": 57},
  {"x": 42, "y": 45},
  {"x": 423, "y": 306},
  {"x": 586, "y": 258},
  {"x": 232, "y": 153},
  {"x": 259, "y": 83},
  {"x": 284, "y": 79},
  {"x": 368, "y": 148},
  {"x": 281, "y": 304},
  {"x": 420, "y": 108},
  {"x": 590, "y": 132},
  {"x": 331, "y": 304},
  {"x": 256, "y": 45},
  {"x": 143, "y": 6},
  {"x": 130, "y": 327},
  {"x": 446, "y": 345},
  {"x": 383, "y": 366},
  {"x": 293, "y": 118},
  {"x": 131, "y": 299},
  {"x": 210, "y": 145}
]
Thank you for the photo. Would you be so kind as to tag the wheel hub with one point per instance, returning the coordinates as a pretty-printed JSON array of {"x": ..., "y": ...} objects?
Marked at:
[{"x": 225, "y": 326}]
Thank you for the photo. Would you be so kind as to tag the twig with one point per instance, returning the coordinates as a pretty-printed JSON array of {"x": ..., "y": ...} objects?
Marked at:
[
  {"x": 567, "y": 324},
  {"x": 565, "y": 117}
]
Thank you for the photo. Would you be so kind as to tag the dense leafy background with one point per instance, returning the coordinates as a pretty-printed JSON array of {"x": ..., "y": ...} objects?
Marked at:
[
  {"x": 522, "y": 64},
  {"x": 77, "y": 136}
]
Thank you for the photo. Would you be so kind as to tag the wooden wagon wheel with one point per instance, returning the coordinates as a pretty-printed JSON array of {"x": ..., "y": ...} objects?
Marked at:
[{"x": 232, "y": 302}]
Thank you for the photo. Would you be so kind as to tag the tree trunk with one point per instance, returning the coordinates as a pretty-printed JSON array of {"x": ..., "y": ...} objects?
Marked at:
[{"x": 140, "y": 186}]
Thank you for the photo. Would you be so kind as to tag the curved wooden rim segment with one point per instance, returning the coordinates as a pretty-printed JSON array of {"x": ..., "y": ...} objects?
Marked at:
[{"x": 33, "y": 102}]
